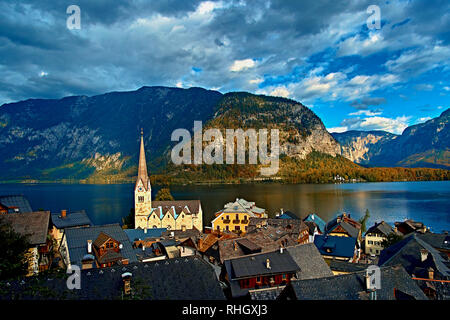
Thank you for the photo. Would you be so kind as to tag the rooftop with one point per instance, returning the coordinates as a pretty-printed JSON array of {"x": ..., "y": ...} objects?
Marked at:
[
  {"x": 16, "y": 201},
  {"x": 34, "y": 224},
  {"x": 72, "y": 219},
  {"x": 77, "y": 241},
  {"x": 173, "y": 279},
  {"x": 335, "y": 245},
  {"x": 352, "y": 286}
]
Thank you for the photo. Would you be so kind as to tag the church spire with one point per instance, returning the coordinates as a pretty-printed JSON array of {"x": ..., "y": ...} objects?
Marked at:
[{"x": 142, "y": 170}]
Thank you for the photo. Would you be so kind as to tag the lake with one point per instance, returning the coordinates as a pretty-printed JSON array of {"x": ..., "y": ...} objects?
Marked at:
[{"x": 428, "y": 202}]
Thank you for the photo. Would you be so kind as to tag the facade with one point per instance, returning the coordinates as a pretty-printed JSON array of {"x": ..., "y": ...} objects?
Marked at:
[
  {"x": 344, "y": 226},
  {"x": 235, "y": 216},
  {"x": 172, "y": 215},
  {"x": 375, "y": 236}
]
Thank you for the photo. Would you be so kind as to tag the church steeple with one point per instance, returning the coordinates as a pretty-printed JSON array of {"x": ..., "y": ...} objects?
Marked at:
[{"x": 142, "y": 169}]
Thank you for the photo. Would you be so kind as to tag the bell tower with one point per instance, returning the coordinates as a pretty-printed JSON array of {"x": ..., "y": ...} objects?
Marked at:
[{"x": 142, "y": 191}]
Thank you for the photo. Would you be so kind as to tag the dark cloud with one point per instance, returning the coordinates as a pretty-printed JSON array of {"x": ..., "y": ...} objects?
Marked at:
[{"x": 365, "y": 103}]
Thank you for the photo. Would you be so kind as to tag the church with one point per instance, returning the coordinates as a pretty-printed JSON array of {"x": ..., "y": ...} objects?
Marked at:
[{"x": 173, "y": 215}]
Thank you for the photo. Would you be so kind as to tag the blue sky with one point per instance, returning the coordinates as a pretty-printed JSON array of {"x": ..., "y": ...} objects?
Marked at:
[{"x": 321, "y": 53}]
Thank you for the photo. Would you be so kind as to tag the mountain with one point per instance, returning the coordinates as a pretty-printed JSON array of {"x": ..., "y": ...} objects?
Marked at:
[
  {"x": 421, "y": 145},
  {"x": 81, "y": 137},
  {"x": 77, "y": 137},
  {"x": 361, "y": 146}
]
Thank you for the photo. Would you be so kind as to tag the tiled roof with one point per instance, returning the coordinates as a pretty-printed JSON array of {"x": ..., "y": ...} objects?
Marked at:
[
  {"x": 72, "y": 219},
  {"x": 179, "y": 206},
  {"x": 141, "y": 234},
  {"x": 77, "y": 241},
  {"x": 339, "y": 246},
  {"x": 173, "y": 279},
  {"x": 310, "y": 262},
  {"x": 34, "y": 224},
  {"x": 436, "y": 240},
  {"x": 408, "y": 253},
  {"x": 344, "y": 221},
  {"x": 352, "y": 286},
  {"x": 381, "y": 228},
  {"x": 180, "y": 234},
  {"x": 242, "y": 206},
  {"x": 255, "y": 265},
  {"x": 16, "y": 201},
  {"x": 317, "y": 220},
  {"x": 266, "y": 293}
]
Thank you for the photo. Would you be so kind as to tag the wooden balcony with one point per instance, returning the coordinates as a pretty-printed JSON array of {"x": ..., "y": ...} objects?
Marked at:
[
  {"x": 244, "y": 221},
  {"x": 226, "y": 221},
  {"x": 236, "y": 221}
]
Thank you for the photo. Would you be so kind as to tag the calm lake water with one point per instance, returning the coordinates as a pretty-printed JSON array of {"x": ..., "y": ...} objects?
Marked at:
[{"x": 428, "y": 202}]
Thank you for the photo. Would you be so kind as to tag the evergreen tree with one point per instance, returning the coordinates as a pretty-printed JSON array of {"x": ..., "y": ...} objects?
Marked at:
[
  {"x": 164, "y": 195},
  {"x": 13, "y": 249},
  {"x": 363, "y": 221}
]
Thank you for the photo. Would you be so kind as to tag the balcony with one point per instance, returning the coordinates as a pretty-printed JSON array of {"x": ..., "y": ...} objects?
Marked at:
[
  {"x": 244, "y": 221},
  {"x": 236, "y": 221},
  {"x": 226, "y": 221}
]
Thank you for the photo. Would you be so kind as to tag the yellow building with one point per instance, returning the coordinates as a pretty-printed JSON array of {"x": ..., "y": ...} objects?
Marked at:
[
  {"x": 235, "y": 216},
  {"x": 173, "y": 215}
]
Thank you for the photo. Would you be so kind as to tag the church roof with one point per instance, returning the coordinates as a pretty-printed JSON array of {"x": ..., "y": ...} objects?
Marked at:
[
  {"x": 176, "y": 207},
  {"x": 142, "y": 169}
]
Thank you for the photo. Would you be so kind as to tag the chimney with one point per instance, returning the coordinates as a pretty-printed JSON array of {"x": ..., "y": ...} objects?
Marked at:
[
  {"x": 268, "y": 264},
  {"x": 423, "y": 255},
  {"x": 145, "y": 230},
  {"x": 281, "y": 249},
  {"x": 281, "y": 210},
  {"x": 235, "y": 246},
  {"x": 200, "y": 243},
  {"x": 63, "y": 213},
  {"x": 312, "y": 216},
  {"x": 126, "y": 277},
  {"x": 143, "y": 247},
  {"x": 172, "y": 234},
  {"x": 89, "y": 246},
  {"x": 430, "y": 273}
]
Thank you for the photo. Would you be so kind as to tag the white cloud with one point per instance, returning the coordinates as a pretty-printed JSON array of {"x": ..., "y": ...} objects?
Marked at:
[
  {"x": 337, "y": 129},
  {"x": 365, "y": 112},
  {"x": 394, "y": 125},
  {"x": 240, "y": 65},
  {"x": 280, "y": 92},
  {"x": 424, "y": 119}
]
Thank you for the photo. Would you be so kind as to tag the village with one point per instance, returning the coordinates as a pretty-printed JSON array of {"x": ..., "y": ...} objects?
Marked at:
[{"x": 243, "y": 254}]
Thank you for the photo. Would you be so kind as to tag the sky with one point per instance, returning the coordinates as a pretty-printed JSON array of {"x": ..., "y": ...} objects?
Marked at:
[{"x": 355, "y": 71}]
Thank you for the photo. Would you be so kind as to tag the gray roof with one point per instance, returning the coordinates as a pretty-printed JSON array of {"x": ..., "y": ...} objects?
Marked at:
[
  {"x": 380, "y": 228},
  {"x": 440, "y": 241},
  {"x": 34, "y": 224},
  {"x": 255, "y": 265},
  {"x": 407, "y": 253},
  {"x": 352, "y": 286},
  {"x": 172, "y": 279},
  {"x": 310, "y": 262},
  {"x": 266, "y": 294},
  {"x": 18, "y": 201},
  {"x": 141, "y": 234},
  {"x": 72, "y": 219},
  {"x": 77, "y": 241}
]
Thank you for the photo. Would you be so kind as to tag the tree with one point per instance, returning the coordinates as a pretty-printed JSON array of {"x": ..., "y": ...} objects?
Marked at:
[
  {"x": 128, "y": 221},
  {"x": 392, "y": 239},
  {"x": 13, "y": 250},
  {"x": 164, "y": 195},
  {"x": 363, "y": 221}
]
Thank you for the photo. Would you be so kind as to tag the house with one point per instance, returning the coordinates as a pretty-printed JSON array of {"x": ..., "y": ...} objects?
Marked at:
[
  {"x": 429, "y": 267},
  {"x": 173, "y": 279},
  {"x": 172, "y": 215},
  {"x": 336, "y": 247},
  {"x": 279, "y": 228},
  {"x": 250, "y": 276},
  {"x": 257, "y": 271},
  {"x": 97, "y": 247},
  {"x": 409, "y": 226},
  {"x": 344, "y": 226},
  {"x": 235, "y": 216},
  {"x": 314, "y": 218},
  {"x": 255, "y": 242},
  {"x": 14, "y": 204},
  {"x": 64, "y": 220},
  {"x": 36, "y": 226},
  {"x": 395, "y": 284},
  {"x": 375, "y": 236}
]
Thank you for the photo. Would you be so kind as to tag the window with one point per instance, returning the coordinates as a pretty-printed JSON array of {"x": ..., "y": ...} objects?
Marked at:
[
  {"x": 228, "y": 217},
  {"x": 237, "y": 217},
  {"x": 227, "y": 228},
  {"x": 140, "y": 199},
  {"x": 237, "y": 228}
]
